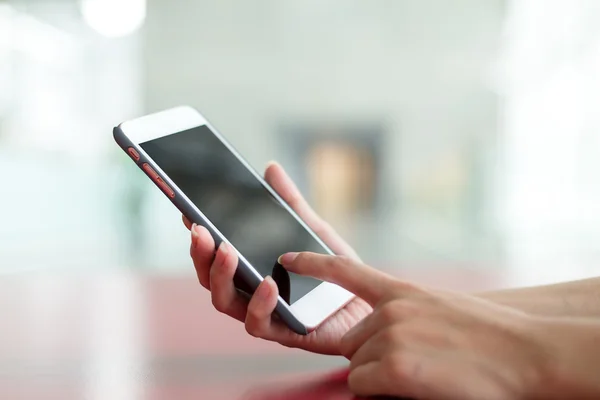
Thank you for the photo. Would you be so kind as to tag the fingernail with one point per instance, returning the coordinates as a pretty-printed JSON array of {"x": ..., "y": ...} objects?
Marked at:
[
  {"x": 264, "y": 291},
  {"x": 195, "y": 235},
  {"x": 270, "y": 163},
  {"x": 287, "y": 258},
  {"x": 224, "y": 248}
]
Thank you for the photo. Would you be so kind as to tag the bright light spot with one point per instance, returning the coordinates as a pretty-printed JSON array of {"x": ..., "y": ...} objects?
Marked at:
[{"x": 114, "y": 18}]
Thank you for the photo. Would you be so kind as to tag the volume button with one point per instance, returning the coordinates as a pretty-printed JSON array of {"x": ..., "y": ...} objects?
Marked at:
[
  {"x": 165, "y": 188},
  {"x": 146, "y": 167}
]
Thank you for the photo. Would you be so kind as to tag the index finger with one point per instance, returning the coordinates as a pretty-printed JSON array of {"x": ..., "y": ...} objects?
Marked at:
[{"x": 367, "y": 283}]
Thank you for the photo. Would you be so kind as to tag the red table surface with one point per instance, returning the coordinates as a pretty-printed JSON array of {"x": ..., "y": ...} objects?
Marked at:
[{"x": 126, "y": 335}]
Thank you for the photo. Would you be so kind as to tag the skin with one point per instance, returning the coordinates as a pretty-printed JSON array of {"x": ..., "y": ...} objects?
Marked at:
[
  {"x": 215, "y": 270},
  {"x": 570, "y": 299},
  {"x": 415, "y": 342},
  {"x": 433, "y": 344}
]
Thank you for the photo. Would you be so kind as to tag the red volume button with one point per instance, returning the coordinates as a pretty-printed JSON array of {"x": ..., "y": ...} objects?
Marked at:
[
  {"x": 133, "y": 153},
  {"x": 165, "y": 188},
  {"x": 150, "y": 171},
  {"x": 161, "y": 184}
]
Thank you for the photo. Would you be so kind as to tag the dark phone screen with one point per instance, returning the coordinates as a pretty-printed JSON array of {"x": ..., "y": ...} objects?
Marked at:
[{"x": 236, "y": 203}]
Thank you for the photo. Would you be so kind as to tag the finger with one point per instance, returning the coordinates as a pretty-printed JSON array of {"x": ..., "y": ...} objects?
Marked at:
[
  {"x": 368, "y": 380},
  {"x": 225, "y": 297},
  {"x": 262, "y": 304},
  {"x": 358, "y": 335},
  {"x": 186, "y": 222},
  {"x": 375, "y": 347},
  {"x": 399, "y": 375},
  {"x": 367, "y": 283},
  {"x": 285, "y": 187},
  {"x": 420, "y": 374},
  {"x": 383, "y": 316},
  {"x": 202, "y": 251}
]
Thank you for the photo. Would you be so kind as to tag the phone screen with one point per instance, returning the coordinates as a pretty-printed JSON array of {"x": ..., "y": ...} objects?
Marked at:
[{"x": 236, "y": 203}]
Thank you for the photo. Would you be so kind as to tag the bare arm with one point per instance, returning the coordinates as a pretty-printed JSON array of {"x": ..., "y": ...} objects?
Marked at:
[
  {"x": 570, "y": 299},
  {"x": 573, "y": 362}
]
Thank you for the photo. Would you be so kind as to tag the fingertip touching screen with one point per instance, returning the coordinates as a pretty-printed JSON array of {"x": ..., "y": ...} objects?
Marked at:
[{"x": 236, "y": 203}]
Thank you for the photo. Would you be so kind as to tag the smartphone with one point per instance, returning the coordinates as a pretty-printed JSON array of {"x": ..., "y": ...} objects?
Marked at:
[{"x": 213, "y": 186}]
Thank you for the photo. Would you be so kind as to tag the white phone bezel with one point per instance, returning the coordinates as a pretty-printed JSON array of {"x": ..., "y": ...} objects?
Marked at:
[{"x": 313, "y": 308}]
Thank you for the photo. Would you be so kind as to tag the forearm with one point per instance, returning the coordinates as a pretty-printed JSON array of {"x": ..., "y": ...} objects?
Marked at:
[
  {"x": 571, "y": 299},
  {"x": 572, "y": 365}
]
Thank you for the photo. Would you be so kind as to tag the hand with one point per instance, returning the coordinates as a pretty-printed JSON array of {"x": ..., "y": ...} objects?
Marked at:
[
  {"x": 430, "y": 344},
  {"x": 215, "y": 273}
]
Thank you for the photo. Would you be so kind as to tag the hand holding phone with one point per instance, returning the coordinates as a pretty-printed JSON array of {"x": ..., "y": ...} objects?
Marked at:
[
  {"x": 251, "y": 221},
  {"x": 216, "y": 276}
]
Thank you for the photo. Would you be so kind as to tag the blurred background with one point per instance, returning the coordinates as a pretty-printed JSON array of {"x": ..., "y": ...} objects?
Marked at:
[
  {"x": 448, "y": 141},
  {"x": 428, "y": 132}
]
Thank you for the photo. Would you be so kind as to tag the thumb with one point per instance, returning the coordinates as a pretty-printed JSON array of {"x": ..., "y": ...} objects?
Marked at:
[{"x": 367, "y": 283}]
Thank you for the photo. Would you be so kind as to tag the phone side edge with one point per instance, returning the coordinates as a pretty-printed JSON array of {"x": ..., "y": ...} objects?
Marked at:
[{"x": 243, "y": 271}]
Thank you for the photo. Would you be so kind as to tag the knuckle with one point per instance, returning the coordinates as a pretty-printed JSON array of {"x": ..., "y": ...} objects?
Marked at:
[
  {"x": 389, "y": 312},
  {"x": 391, "y": 335},
  {"x": 301, "y": 258},
  {"x": 251, "y": 330},
  {"x": 408, "y": 309},
  {"x": 219, "y": 304},
  {"x": 252, "y": 327},
  {"x": 408, "y": 288},
  {"x": 353, "y": 383},
  {"x": 334, "y": 267},
  {"x": 400, "y": 310},
  {"x": 204, "y": 281},
  {"x": 394, "y": 368},
  {"x": 338, "y": 264}
]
